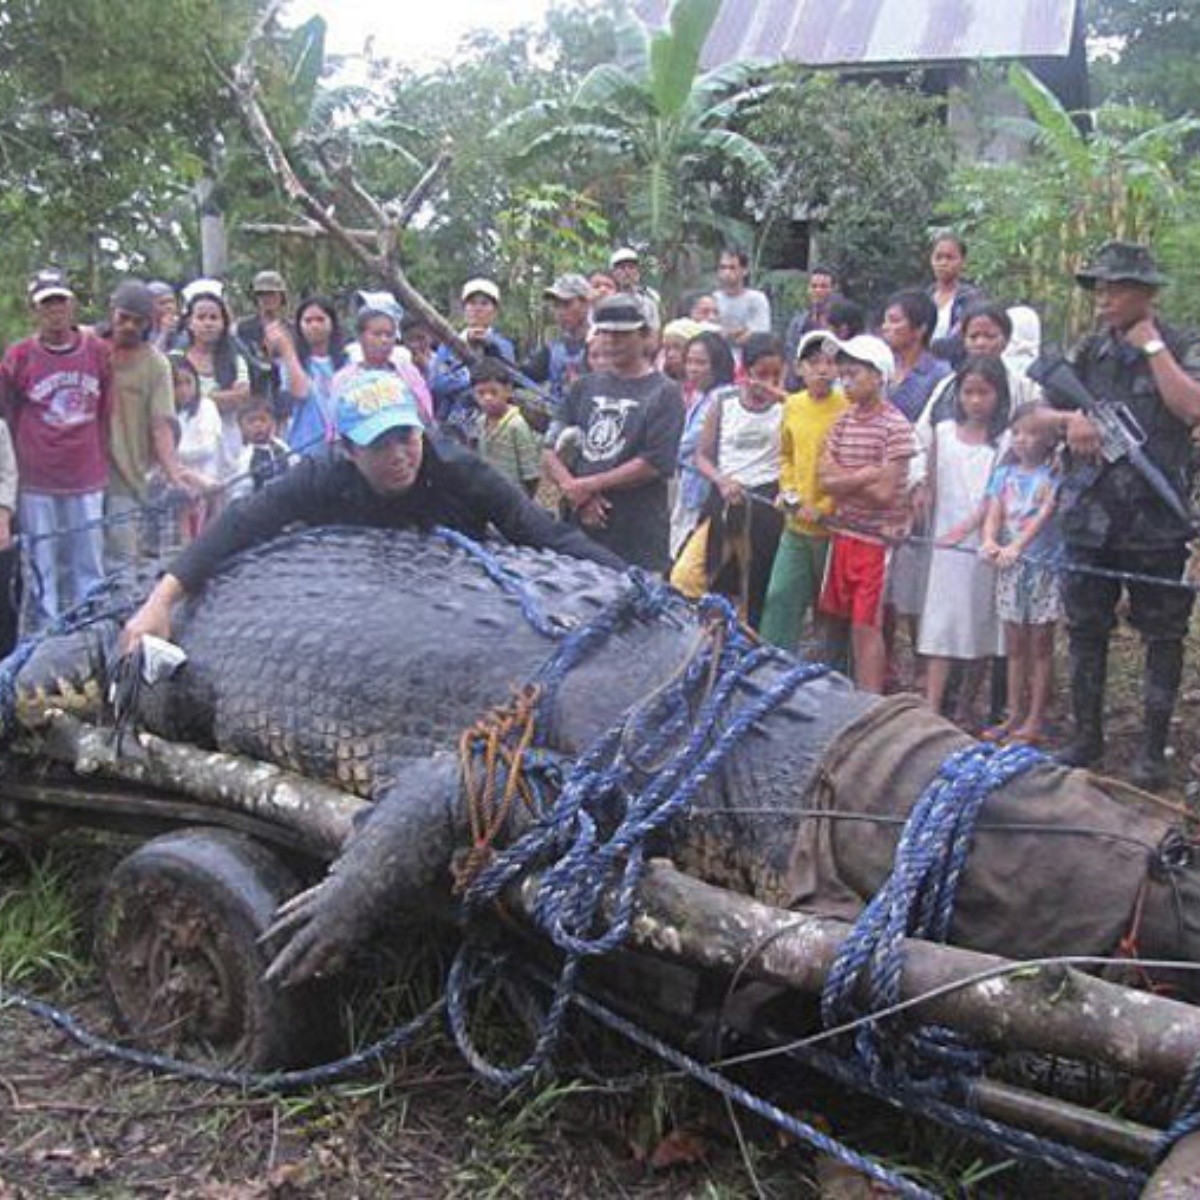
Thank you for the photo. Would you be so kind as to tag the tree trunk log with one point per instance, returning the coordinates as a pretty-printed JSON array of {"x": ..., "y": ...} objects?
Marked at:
[
  {"x": 322, "y": 816},
  {"x": 1178, "y": 1178},
  {"x": 1046, "y": 1009}
]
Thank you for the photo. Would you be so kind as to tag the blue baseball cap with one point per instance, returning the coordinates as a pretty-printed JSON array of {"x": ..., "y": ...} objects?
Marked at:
[{"x": 373, "y": 402}]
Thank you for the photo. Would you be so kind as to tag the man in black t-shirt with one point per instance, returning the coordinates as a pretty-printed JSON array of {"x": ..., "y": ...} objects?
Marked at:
[{"x": 627, "y": 422}]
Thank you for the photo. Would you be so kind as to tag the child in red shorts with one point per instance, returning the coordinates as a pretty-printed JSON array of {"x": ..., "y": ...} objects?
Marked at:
[{"x": 864, "y": 467}]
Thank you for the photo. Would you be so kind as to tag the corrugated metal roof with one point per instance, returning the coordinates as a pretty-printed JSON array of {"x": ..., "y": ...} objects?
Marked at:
[{"x": 837, "y": 33}]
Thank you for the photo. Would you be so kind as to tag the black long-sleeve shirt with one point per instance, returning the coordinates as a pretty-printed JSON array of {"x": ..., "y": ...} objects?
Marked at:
[{"x": 453, "y": 488}]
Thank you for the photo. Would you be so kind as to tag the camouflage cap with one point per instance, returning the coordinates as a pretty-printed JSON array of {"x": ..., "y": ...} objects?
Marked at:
[
  {"x": 268, "y": 281},
  {"x": 1121, "y": 262}
]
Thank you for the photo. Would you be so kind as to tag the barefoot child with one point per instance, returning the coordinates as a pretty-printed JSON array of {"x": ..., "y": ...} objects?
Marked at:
[
  {"x": 958, "y": 621},
  {"x": 864, "y": 467},
  {"x": 1019, "y": 523}
]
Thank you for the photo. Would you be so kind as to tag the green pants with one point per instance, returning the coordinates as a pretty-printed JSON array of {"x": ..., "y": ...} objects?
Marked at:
[{"x": 795, "y": 585}]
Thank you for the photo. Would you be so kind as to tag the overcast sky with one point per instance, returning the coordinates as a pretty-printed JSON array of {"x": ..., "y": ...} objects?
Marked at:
[{"x": 411, "y": 31}]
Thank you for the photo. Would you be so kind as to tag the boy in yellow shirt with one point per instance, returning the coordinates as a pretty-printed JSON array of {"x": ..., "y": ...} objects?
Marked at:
[{"x": 800, "y": 560}]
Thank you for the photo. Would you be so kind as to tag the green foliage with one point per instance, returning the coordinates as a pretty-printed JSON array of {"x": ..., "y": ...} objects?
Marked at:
[
  {"x": 506, "y": 1146},
  {"x": 548, "y": 230},
  {"x": 651, "y": 135},
  {"x": 467, "y": 106},
  {"x": 1155, "y": 45},
  {"x": 101, "y": 117},
  {"x": 1032, "y": 224},
  {"x": 867, "y": 164}
]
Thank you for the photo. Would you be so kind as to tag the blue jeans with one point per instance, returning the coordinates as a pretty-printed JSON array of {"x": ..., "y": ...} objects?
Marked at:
[{"x": 62, "y": 569}]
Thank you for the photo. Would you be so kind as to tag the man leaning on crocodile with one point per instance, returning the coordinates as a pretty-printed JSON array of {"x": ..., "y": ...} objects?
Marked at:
[{"x": 394, "y": 475}]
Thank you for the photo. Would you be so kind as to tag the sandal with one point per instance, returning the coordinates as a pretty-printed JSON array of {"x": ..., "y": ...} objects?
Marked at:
[
  {"x": 1028, "y": 739},
  {"x": 995, "y": 733}
]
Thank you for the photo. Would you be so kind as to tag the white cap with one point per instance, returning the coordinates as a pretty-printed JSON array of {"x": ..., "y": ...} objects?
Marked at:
[
  {"x": 814, "y": 335},
  {"x": 203, "y": 287},
  {"x": 865, "y": 348},
  {"x": 625, "y": 254},
  {"x": 481, "y": 287}
]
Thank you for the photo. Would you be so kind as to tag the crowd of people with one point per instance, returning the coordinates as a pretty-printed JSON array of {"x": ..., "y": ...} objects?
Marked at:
[{"x": 843, "y": 483}]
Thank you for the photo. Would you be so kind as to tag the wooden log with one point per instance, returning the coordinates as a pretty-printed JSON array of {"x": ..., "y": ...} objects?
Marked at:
[
  {"x": 422, "y": 189},
  {"x": 1178, "y": 1176},
  {"x": 1061, "y": 1120},
  {"x": 1045, "y": 1009},
  {"x": 322, "y": 816},
  {"x": 1065, "y": 1122}
]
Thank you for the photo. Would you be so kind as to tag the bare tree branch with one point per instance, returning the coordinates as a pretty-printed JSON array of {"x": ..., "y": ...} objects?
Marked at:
[
  {"x": 405, "y": 212},
  {"x": 381, "y": 265},
  {"x": 246, "y": 92},
  {"x": 310, "y": 230}
]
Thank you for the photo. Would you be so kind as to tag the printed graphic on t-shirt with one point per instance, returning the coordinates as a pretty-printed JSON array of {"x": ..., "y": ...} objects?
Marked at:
[
  {"x": 68, "y": 398},
  {"x": 752, "y": 437},
  {"x": 605, "y": 435}
]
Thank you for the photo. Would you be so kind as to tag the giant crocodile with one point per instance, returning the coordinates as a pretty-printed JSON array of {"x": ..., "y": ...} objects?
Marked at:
[{"x": 357, "y": 657}]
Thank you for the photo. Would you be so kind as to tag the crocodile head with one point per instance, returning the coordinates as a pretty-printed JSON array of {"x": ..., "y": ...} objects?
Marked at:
[{"x": 67, "y": 673}]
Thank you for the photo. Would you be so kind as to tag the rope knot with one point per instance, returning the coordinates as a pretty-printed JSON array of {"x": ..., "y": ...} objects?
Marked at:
[{"x": 492, "y": 758}]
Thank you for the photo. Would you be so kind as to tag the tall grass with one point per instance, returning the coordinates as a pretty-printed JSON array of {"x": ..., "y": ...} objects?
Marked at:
[{"x": 39, "y": 927}]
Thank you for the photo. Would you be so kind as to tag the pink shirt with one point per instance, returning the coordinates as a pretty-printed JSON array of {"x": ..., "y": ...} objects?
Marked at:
[
  {"x": 406, "y": 371},
  {"x": 57, "y": 403}
]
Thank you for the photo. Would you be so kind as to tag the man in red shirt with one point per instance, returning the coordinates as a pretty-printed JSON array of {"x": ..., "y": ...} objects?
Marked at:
[{"x": 54, "y": 389}]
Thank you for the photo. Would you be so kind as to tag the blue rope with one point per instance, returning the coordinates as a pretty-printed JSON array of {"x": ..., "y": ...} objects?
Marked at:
[
  {"x": 643, "y": 599},
  {"x": 511, "y": 582},
  {"x": 595, "y": 836},
  {"x": 1185, "y": 1117},
  {"x": 820, "y": 1141},
  {"x": 1020, "y": 1143},
  {"x": 602, "y": 791},
  {"x": 917, "y": 899},
  {"x": 351, "y": 1065}
]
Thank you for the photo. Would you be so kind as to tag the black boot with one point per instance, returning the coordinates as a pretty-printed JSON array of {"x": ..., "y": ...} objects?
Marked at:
[
  {"x": 1164, "y": 668},
  {"x": 1089, "y": 672}
]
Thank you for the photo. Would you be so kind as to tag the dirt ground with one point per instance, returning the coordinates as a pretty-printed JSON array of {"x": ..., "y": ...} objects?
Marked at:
[{"x": 72, "y": 1124}]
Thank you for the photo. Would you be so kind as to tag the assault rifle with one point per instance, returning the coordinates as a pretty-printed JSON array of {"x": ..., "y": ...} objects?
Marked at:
[{"x": 1121, "y": 434}]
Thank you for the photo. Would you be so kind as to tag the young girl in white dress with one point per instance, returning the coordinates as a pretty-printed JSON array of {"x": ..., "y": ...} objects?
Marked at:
[{"x": 959, "y": 620}]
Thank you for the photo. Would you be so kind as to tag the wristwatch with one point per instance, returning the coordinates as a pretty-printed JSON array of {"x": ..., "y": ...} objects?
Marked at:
[{"x": 1153, "y": 347}]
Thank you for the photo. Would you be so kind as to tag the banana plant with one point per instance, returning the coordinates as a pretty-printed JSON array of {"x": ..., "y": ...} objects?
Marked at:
[
  {"x": 654, "y": 129},
  {"x": 1119, "y": 172}
]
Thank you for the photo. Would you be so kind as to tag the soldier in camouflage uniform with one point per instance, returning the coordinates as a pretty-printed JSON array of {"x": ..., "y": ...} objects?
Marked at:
[{"x": 1111, "y": 518}]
